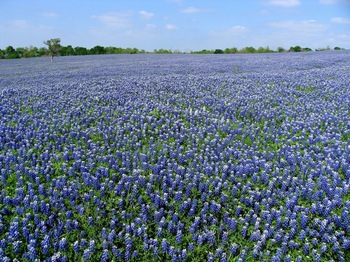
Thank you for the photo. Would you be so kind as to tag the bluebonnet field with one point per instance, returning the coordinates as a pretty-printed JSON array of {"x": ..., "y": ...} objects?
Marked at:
[{"x": 177, "y": 158}]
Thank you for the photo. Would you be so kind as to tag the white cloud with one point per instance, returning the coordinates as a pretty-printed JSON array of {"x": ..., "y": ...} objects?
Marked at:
[
  {"x": 300, "y": 26},
  {"x": 284, "y": 3},
  {"x": 114, "y": 19},
  {"x": 170, "y": 27},
  {"x": 48, "y": 14},
  {"x": 340, "y": 20},
  {"x": 146, "y": 15},
  {"x": 193, "y": 10}
]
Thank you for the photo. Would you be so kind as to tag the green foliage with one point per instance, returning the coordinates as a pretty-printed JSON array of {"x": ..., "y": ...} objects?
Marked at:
[
  {"x": 97, "y": 50},
  {"x": 67, "y": 50},
  {"x": 295, "y": 49},
  {"x": 306, "y": 89},
  {"x": 11, "y": 53},
  {"x": 232, "y": 50},
  {"x": 218, "y": 51},
  {"x": 280, "y": 49},
  {"x": 54, "y": 47},
  {"x": 345, "y": 137},
  {"x": 248, "y": 49}
]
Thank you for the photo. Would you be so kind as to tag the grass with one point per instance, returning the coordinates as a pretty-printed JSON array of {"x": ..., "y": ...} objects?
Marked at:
[{"x": 307, "y": 89}]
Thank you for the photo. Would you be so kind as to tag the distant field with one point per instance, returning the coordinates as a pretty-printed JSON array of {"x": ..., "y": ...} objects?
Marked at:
[{"x": 176, "y": 158}]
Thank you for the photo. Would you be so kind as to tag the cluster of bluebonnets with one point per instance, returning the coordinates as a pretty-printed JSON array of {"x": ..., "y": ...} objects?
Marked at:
[{"x": 175, "y": 158}]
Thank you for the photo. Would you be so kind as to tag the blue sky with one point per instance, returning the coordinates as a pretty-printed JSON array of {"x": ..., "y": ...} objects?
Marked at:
[{"x": 176, "y": 24}]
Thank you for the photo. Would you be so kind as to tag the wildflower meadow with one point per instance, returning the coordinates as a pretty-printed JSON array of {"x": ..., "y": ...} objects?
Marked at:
[{"x": 176, "y": 158}]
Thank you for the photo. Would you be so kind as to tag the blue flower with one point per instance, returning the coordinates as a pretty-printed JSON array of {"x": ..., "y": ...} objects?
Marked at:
[
  {"x": 86, "y": 254},
  {"x": 63, "y": 244},
  {"x": 178, "y": 238},
  {"x": 234, "y": 249},
  {"x": 104, "y": 257}
]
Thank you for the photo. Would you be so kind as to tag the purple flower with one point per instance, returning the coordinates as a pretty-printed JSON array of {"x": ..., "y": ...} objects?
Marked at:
[
  {"x": 86, "y": 254},
  {"x": 178, "y": 238},
  {"x": 76, "y": 247},
  {"x": 234, "y": 249},
  {"x": 165, "y": 246},
  {"x": 63, "y": 244},
  {"x": 104, "y": 257}
]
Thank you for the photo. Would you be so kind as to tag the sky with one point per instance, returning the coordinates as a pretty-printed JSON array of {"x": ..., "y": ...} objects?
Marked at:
[{"x": 185, "y": 25}]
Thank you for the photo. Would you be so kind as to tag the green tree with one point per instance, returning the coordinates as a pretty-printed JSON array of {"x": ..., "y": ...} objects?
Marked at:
[
  {"x": 97, "y": 50},
  {"x": 295, "y": 49},
  {"x": 67, "y": 50},
  {"x": 232, "y": 50},
  {"x": 306, "y": 49},
  {"x": 11, "y": 53},
  {"x": 54, "y": 47},
  {"x": 218, "y": 51},
  {"x": 248, "y": 49},
  {"x": 280, "y": 49},
  {"x": 80, "y": 50}
]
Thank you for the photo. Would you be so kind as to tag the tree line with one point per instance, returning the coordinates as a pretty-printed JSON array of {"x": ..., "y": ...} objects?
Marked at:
[{"x": 54, "y": 48}]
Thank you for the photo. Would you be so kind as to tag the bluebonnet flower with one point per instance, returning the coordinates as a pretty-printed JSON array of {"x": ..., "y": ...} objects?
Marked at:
[
  {"x": 211, "y": 237},
  {"x": 165, "y": 246},
  {"x": 86, "y": 254},
  {"x": 31, "y": 252},
  {"x": 159, "y": 232},
  {"x": 336, "y": 245},
  {"x": 104, "y": 257},
  {"x": 224, "y": 238},
  {"x": 234, "y": 249},
  {"x": 210, "y": 257},
  {"x": 346, "y": 244},
  {"x": 63, "y": 244},
  {"x": 244, "y": 230},
  {"x": 178, "y": 238},
  {"x": 76, "y": 246},
  {"x": 17, "y": 246},
  {"x": 255, "y": 236},
  {"x": 306, "y": 248}
]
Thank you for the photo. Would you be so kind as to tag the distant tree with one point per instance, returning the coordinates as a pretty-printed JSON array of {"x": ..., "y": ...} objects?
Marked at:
[
  {"x": 162, "y": 51},
  {"x": 280, "y": 49},
  {"x": 21, "y": 51},
  {"x": 97, "y": 50},
  {"x": 2, "y": 54},
  {"x": 295, "y": 49},
  {"x": 306, "y": 49},
  {"x": 248, "y": 49},
  {"x": 204, "y": 51},
  {"x": 232, "y": 50},
  {"x": 338, "y": 48},
  {"x": 218, "y": 51},
  {"x": 11, "y": 53},
  {"x": 67, "y": 50},
  {"x": 42, "y": 51},
  {"x": 30, "y": 52},
  {"x": 135, "y": 50},
  {"x": 264, "y": 50},
  {"x": 54, "y": 47},
  {"x": 80, "y": 50}
]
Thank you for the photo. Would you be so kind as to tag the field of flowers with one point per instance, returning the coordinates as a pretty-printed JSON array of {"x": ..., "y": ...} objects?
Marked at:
[{"x": 176, "y": 158}]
